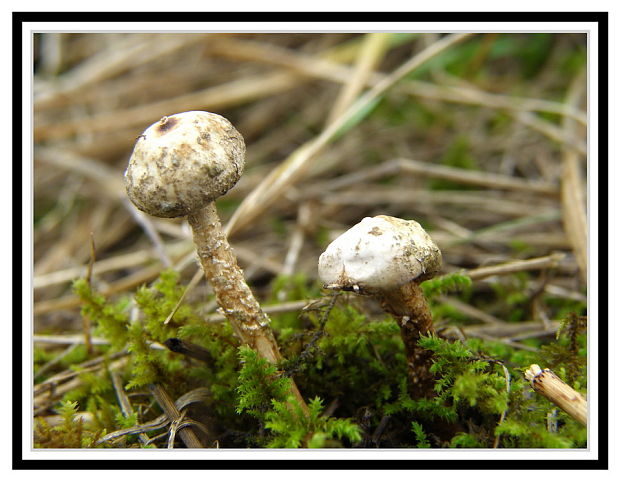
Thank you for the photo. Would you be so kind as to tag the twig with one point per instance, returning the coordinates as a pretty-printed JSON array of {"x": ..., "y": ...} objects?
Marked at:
[
  {"x": 482, "y": 201},
  {"x": 476, "y": 178},
  {"x": 167, "y": 405},
  {"x": 551, "y": 131},
  {"x": 72, "y": 301},
  {"x": 464, "y": 176},
  {"x": 194, "y": 396},
  {"x": 514, "y": 344},
  {"x": 51, "y": 390},
  {"x": 515, "y": 266},
  {"x": 469, "y": 310},
  {"x": 271, "y": 309},
  {"x": 120, "y": 262},
  {"x": 376, "y": 436},
  {"x": 159, "y": 422},
  {"x": 512, "y": 331},
  {"x": 550, "y": 386},
  {"x": 89, "y": 365},
  {"x": 216, "y": 98},
  {"x": 45, "y": 368},
  {"x": 123, "y": 401},
  {"x": 573, "y": 197},
  {"x": 371, "y": 51}
]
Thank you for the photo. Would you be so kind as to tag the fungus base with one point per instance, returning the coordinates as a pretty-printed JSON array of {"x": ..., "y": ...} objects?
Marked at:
[{"x": 408, "y": 305}]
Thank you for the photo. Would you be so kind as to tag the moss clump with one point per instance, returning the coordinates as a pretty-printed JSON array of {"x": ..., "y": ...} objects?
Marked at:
[{"x": 340, "y": 357}]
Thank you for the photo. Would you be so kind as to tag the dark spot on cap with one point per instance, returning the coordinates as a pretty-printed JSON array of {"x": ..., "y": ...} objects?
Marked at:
[
  {"x": 375, "y": 231},
  {"x": 166, "y": 123}
]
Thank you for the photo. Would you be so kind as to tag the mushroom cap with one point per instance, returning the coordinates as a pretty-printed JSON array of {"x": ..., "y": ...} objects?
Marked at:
[
  {"x": 378, "y": 254},
  {"x": 183, "y": 162}
]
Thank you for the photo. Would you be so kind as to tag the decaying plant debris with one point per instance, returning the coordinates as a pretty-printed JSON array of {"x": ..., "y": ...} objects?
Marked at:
[{"x": 481, "y": 138}]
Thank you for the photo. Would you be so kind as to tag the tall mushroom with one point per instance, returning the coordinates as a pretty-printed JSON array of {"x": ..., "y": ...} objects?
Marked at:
[
  {"x": 387, "y": 258},
  {"x": 178, "y": 167}
]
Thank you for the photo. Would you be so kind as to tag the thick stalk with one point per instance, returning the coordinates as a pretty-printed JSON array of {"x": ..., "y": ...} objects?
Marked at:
[
  {"x": 233, "y": 294},
  {"x": 410, "y": 308}
]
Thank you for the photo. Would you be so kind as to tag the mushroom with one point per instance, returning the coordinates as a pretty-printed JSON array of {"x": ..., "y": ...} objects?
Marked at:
[
  {"x": 178, "y": 167},
  {"x": 387, "y": 258}
]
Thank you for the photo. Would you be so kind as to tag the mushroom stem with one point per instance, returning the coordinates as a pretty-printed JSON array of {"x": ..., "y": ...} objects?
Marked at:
[
  {"x": 409, "y": 306},
  {"x": 233, "y": 294}
]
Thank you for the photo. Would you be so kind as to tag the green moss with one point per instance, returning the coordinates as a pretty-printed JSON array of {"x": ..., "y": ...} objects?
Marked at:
[
  {"x": 264, "y": 394},
  {"x": 69, "y": 434},
  {"x": 444, "y": 284},
  {"x": 420, "y": 435},
  {"x": 341, "y": 355}
]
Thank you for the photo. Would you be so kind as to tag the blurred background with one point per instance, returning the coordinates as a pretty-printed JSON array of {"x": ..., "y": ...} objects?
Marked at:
[{"x": 481, "y": 138}]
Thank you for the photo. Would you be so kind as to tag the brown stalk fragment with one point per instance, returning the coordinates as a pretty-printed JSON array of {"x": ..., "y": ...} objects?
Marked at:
[{"x": 550, "y": 386}]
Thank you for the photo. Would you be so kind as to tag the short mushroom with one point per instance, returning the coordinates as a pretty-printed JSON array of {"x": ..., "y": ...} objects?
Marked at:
[
  {"x": 387, "y": 258},
  {"x": 178, "y": 167}
]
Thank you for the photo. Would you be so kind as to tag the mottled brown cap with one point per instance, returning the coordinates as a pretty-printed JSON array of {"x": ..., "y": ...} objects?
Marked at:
[{"x": 183, "y": 162}]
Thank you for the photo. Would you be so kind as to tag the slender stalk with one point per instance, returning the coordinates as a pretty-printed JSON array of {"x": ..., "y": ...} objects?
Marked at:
[{"x": 233, "y": 294}]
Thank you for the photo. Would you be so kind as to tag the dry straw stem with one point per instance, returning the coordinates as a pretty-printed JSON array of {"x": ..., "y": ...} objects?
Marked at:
[
  {"x": 121, "y": 123},
  {"x": 549, "y": 385},
  {"x": 223, "y": 96},
  {"x": 72, "y": 301},
  {"x": 534, "y": 122},
  {"x": 194, "y": 396},
  {"x": 481, "y": 203},
  {"x": 115, "y": 263},
  {"x": 503, "y": 329},
  {"x": 543, "y": 262},
  {"x": 463, "y": 176},
  {"x": 120, "y": 56},
  {"x": 372, "y": 50},
  {"x": 329, "y": 66},
  {"x": 48, "y": 392},
  {"x": 573, "y": 197},
  {"x": 469, "y": 310},
  {"x": 472, "y": 95},
  {"x": 172, "y": 412},
  {"x": 552, "y": 132},
  {"x": 123, "y": 401},
  {"x": 297, "y": 164},
  {"x": 324, "y": 68}
]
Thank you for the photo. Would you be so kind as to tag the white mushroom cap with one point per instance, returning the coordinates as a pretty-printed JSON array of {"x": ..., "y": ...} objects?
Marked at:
[
  {"x": 183, "y": 162},
  {"x": 379, "y": 253}
]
